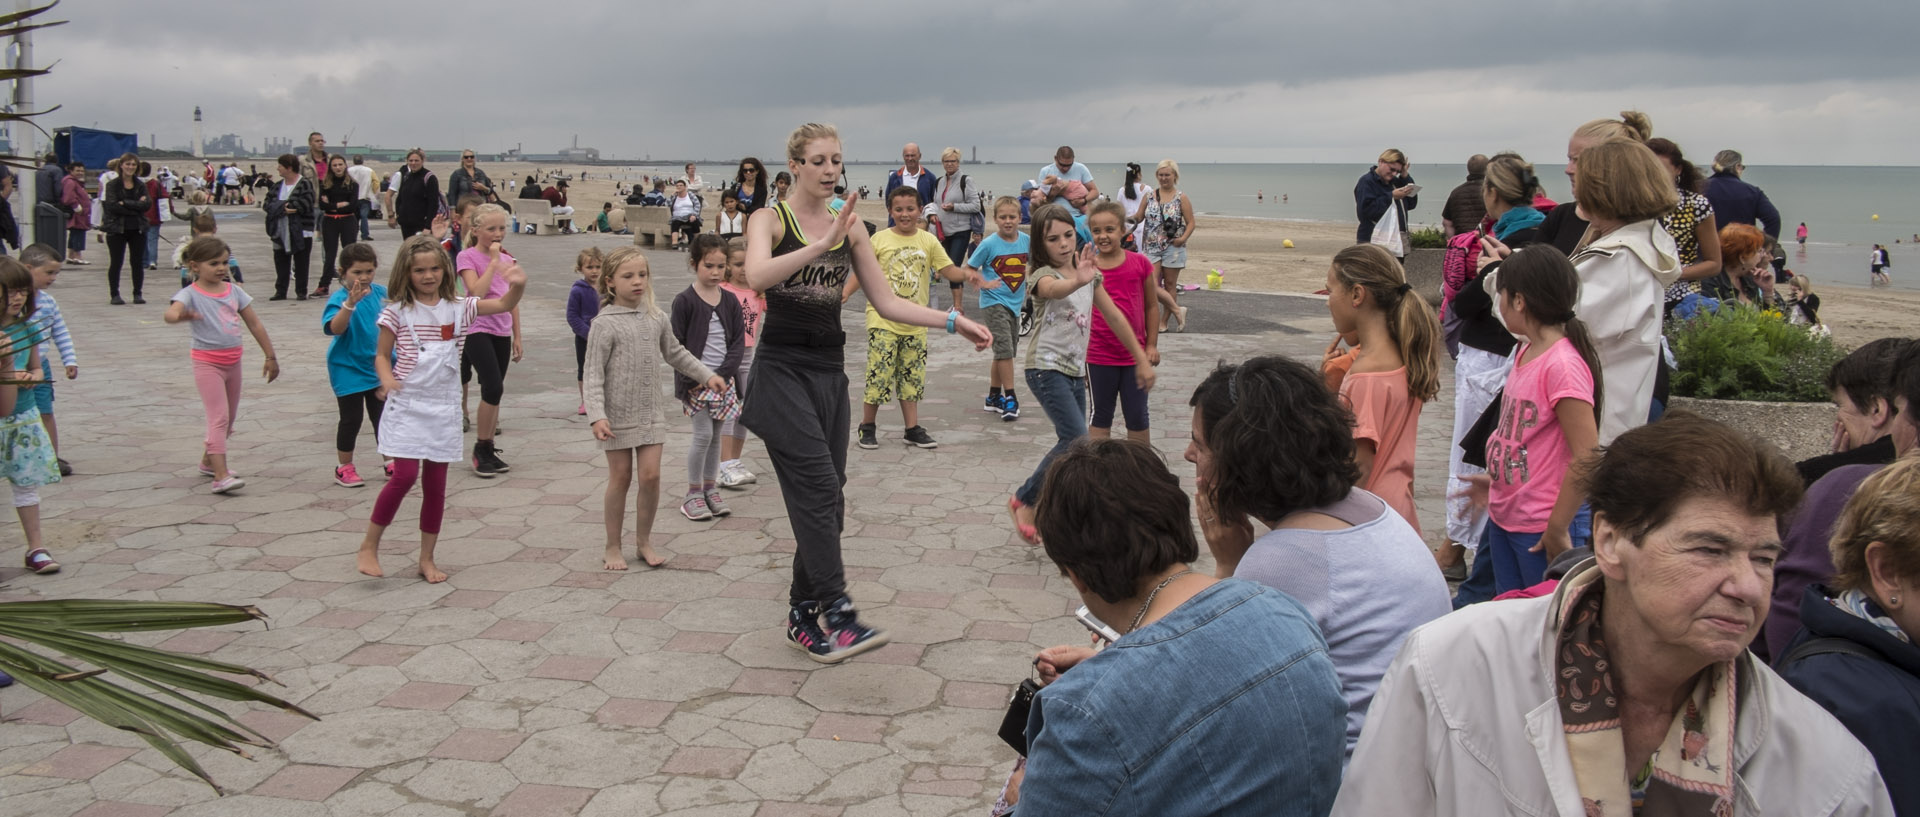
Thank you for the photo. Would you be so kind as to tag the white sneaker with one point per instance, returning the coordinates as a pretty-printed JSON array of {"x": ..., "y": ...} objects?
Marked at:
[{"x": 735, "y": 476}]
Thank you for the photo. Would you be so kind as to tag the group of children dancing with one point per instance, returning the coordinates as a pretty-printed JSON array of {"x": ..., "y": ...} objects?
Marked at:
[{"x": 403, "y": 353}]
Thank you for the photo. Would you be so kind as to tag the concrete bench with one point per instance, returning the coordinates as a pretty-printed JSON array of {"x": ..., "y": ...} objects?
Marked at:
[
  {"x": 538, "y": 213},
  {"x": 650, "y": 226}
]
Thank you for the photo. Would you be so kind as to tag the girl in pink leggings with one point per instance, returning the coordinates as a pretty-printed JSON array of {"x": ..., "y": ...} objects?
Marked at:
[
  {"x": 423, "y": 330},
  {"x": 217, "y": 309}
]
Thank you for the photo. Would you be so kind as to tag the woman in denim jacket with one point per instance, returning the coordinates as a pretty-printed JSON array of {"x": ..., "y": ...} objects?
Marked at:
[{"x": 1218, "y": 698}]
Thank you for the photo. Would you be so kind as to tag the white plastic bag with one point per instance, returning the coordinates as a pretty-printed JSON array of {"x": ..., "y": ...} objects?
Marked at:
[{"x": 1387, "y": 232}]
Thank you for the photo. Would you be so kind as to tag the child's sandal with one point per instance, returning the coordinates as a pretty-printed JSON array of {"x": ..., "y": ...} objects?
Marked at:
[
  {"x": 1028, "y": 533},
  {"x": 41, "y": 562}
]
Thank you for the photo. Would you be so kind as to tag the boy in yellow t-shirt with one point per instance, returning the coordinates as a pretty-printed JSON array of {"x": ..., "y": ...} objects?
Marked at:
[{"x": 897, "y": 352}]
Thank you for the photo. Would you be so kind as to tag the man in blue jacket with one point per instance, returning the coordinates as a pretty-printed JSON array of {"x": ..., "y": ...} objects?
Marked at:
[
  {"x": 1379, "y": 188},
  {"x": 1737, "y": 202},
  {"x": 911, "y": 174}
]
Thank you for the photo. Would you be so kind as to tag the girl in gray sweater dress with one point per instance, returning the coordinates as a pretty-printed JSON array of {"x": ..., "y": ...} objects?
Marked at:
[{"x": 625, "y": 346}]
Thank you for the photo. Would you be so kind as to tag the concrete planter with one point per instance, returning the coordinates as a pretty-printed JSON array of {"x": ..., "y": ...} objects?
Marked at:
[
  {"x": 1799, "y": 430},
  {"x": 1423, "y": 272}
]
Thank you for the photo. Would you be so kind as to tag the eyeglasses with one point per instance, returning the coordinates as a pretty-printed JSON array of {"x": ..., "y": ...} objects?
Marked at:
[{"x": 468, "y": 156}]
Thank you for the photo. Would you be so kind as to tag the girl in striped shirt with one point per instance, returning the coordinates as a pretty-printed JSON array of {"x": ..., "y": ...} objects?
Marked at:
[{"x": 423, "y": 330}]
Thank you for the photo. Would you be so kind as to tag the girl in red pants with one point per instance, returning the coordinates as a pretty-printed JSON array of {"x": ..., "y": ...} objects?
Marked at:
[{"x": 423, "y": 330}]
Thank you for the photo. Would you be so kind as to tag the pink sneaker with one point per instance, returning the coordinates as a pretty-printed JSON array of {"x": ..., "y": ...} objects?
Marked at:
[
  {"x": 346, "y": 477},
  {"x": 583, "y": 410},
  {"x": 208, "y": 472},
  {"x": 228, "y": 485}
]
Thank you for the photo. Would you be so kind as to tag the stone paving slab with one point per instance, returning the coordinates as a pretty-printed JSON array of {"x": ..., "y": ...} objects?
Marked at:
[{"x": 532, "y": 682}]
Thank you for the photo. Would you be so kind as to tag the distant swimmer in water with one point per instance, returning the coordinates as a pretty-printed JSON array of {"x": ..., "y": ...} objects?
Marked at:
[
  {"x": 1260, "y": 195},
  {"x": 1801, "y": 234},
  {"x": 1283, "y": 198}
]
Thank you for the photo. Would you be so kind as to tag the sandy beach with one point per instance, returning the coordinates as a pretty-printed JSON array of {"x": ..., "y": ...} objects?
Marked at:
[{"x": 1248, "y": 252}]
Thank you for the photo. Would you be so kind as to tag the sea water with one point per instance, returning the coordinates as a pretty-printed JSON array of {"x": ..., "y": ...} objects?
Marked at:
[{"x": 1838, "y": 203}]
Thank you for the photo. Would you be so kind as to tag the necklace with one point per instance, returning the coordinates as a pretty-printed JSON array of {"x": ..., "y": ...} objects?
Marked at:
[{"x": 1150, "y": 596}]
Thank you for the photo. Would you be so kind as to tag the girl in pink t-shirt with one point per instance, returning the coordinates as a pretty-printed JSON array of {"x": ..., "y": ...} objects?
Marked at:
[
  {"x": 1397, "y": 370},
  {"x": 733, "y": 434},
  {"x": 495, "y": 339},
  {"x": 1549, "y": 419},
  {"x": 1128, "y": 277}
]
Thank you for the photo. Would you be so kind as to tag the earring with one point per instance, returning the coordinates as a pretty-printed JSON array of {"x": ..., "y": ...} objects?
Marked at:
[{"x": 1893, "y": 601}]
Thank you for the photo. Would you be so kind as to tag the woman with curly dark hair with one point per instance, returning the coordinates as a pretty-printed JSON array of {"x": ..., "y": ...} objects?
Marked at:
[{"x": 1271, "y": 443}]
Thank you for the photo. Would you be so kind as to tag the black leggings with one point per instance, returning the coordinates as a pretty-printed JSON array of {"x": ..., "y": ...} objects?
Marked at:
[
  {"x": 488, "y": 356},
  {"x": 579, "y": 358},
  {"x": 119, "y": 246},
  {"x": 335, "y": 232},
  {"x": 1104, "y": 384},
  {"x": 352, "y": 408}
]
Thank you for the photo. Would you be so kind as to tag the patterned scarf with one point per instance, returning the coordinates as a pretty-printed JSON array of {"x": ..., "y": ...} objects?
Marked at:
[
  {"x": 1692, "y": 771},
  {"x": 1857, "y": 603}
]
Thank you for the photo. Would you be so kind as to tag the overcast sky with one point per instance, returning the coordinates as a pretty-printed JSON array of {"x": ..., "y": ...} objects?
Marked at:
[{"x": 1255, "y": 80}]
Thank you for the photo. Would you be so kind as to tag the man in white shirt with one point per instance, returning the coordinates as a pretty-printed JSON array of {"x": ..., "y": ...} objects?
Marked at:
[{"x": 363, "y": 180}]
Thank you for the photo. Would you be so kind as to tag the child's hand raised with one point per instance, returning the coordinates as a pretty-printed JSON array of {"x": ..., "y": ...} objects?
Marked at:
[
  {"x": 355, "y": 292},
  {"x": 516, "y": 277},
  {"x": 1083, "y": 267},
  {"x": 438, "y": 228},
  {"x": 843, "y": 225},
  {"x": 602, "y": 431}
]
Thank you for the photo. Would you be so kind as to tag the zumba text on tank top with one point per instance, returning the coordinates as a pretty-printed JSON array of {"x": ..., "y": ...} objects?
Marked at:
[{"x": 802, "y": 322}]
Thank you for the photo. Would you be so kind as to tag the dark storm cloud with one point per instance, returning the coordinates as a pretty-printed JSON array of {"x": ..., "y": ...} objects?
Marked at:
[{"x": 720, "y": 79}]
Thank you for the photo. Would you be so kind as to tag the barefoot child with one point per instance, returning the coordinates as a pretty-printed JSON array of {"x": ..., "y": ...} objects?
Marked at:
[
  {"x": 733, "y": 434},
  {"x": 351, "y": 318},
  {"x": 217, "y": 308},
  {"x": 1067, "y": 288},
  {"x": 29, "y": 461},
  {"x": 629, "y": 339},
  {"x": 708, "y": 321},
  {"x": 43, "y": 262},
  {"x": 1128, "y": 277},
  {"x": 1396, "y": 372},
  {"x": 1003, "y": 258},
  {"x": 897, "y": 352},
  {"x": 422, "y": 330}
]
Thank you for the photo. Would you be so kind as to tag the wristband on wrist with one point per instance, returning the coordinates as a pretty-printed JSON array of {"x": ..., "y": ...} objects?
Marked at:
[{"x": 952, "y": 315}]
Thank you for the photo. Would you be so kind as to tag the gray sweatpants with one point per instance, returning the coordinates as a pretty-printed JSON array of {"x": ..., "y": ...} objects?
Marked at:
[{"x": 801, "y": 416}]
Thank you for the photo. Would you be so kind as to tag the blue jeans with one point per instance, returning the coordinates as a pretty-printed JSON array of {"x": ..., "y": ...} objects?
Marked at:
[
  {"x": 366, "y": 211},
  {"x": 1482, "y": 585},
  {"x": 1064, "y": 399},
  {"x": 153, "y": 244}
]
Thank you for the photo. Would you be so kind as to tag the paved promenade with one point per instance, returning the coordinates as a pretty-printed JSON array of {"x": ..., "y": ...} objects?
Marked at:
[{"x": 533, "y": 682}]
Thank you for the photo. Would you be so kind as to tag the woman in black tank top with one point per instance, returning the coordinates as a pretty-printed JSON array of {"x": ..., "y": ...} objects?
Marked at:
[{"x": 799, "y": 253}]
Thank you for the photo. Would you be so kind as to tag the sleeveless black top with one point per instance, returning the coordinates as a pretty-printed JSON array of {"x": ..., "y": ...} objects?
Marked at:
[{"x": 802, "y": 321}]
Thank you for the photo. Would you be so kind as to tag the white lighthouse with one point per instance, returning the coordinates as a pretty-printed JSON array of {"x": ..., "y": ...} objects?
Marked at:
[{"x": 198, "y": 144}]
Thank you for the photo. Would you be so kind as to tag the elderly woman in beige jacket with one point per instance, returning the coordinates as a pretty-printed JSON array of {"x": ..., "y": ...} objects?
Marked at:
[{"x": 1630, "y": 690}]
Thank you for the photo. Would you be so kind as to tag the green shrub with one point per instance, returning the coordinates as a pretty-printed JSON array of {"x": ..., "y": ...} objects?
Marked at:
[
  {"x": 1426, "y": 238},
  {"x": 1743, "y": 353}
]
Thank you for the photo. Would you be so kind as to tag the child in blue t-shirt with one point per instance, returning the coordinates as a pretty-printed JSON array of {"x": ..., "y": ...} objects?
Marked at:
[
  {"x": 351, "y": 319},
  {"x": 1002, "y": 260}
]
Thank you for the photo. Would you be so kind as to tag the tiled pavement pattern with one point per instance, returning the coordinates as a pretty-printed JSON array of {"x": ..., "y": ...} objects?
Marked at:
[{"x": 533, "y": 682}]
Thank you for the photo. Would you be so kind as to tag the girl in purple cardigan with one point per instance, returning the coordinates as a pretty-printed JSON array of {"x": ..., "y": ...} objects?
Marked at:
[{"x": 583, "y": 303}]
